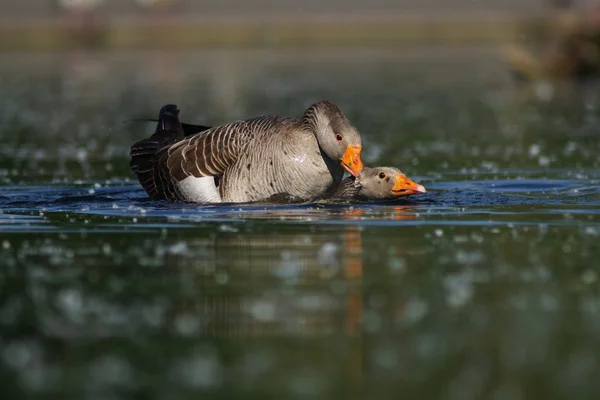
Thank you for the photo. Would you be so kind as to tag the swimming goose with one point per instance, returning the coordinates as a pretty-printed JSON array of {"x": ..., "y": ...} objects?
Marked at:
[
  {"x": 380, "y": 183},
  {"x": 248, "y": 160}
]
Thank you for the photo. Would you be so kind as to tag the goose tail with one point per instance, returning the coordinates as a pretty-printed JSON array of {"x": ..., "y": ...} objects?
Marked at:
[{"x": 144, "y": 153}]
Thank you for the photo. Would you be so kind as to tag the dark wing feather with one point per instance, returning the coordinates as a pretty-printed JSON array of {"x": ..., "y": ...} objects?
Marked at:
[
  {"x": 145, "y": 153},
  {"x": 346, "y": 190}
]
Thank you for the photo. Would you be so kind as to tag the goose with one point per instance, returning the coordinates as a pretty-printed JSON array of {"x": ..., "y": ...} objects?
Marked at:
[
  {"x": 379, "y": 183},
  {"x": 250, "y": 160}
]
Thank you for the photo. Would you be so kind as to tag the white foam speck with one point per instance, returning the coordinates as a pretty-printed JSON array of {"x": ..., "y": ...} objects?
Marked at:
[
  {"x": 589, "y": 276},
  {"x": 200, "y": 370},
  {"x": 544, "y": 161},
  {"x": 263, "y": 310},
  {"x": 328, "y": 254},
  {"x": 414, "y": 311},
  {"x": 459, "y": 290},
  {"x": 228, "y": 228},
  {"x": 186, "y": 324},
  {"x": 221, "y": 278},
  {"x": 179, "y": 248},
  {"x": 534, "y": 150}
]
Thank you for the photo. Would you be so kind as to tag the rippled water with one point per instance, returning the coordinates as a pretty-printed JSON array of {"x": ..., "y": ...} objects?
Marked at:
[{"x": 485, "y": 287}]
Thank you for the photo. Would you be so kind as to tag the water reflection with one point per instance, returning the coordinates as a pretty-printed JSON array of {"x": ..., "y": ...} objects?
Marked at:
[
  {"x": 321, "y": 278},
  {"x": 482, "y": 287},
  {"x": 276, "y": 305},
  {"x": 224, "y": 284}
]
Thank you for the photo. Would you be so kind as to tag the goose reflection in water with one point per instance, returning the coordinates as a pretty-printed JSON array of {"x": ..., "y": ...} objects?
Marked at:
[
  {"x": 290, "y": 283},
  {"x": 323, "y": 213}
]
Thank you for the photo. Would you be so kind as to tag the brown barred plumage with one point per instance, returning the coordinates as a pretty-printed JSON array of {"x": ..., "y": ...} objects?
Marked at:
[{"x": 249, "y": 160}]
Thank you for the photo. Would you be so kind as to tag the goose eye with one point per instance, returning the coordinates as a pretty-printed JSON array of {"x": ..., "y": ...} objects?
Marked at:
[
  {"x": 382, "y": 175},
  {"x": 339, "y": 137}
]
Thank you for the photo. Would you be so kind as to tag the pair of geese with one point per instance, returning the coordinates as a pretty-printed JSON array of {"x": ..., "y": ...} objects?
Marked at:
[{"x": 262, "y": 159}]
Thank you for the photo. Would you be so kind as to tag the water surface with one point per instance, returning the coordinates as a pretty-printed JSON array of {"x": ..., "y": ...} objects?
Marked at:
[{"x": 485, "y": 287}]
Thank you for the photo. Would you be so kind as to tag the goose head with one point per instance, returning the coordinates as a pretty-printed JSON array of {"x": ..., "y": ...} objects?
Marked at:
[
  {"x": 385, "y": 183},
  {"x": 336, "y": 135}
]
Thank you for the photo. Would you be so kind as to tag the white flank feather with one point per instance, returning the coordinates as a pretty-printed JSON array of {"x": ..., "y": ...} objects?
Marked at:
[{"x": 200, "y": 190}]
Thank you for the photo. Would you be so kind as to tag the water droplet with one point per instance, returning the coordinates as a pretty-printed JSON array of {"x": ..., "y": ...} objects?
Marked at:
[
  {"x": 414, "y": 311},
  {"x": 372, "y": 321},
  {"x": 228, "y": 228},
  {"x": 110, "y": 370},
  {"x": 589, "y": 276},
  {"x": 221, "y": 277},
  {"x": 21, "y": 355},
  {"x": 186, "y": 324},
  {"x": 397, "y": 264},
  {"x": 106, "y": 249},
  {"x": 386, "y": 357},
  {"x": 534, "y": 150},
  {"x": 201, "y": 370},
  {"x": 263, "y": 310},
  {"x": 328, "y": 254},
  {"x": 459, "y": 290},
  {"x": 179, "y": 248}
]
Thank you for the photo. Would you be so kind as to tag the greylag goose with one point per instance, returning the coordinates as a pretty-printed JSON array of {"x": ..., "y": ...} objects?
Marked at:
[
  {"x": 248, "y": 160},
  {"x": 380, "y": 183}
]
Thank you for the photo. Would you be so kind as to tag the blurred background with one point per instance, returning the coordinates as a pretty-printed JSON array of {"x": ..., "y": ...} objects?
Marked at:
[
  {"x": 563, "y": 32},
  {"x": 59, "y": 24},
  {"x": 486, "y": 287},
  {"x": 222, "y": 60}
]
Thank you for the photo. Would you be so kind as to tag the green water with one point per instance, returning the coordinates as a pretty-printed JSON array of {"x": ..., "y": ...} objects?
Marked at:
[{"x": 486, "y": 287}]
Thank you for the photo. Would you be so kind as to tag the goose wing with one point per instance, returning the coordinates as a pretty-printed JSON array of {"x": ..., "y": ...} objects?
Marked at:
[{"x": 212, "y": 152}]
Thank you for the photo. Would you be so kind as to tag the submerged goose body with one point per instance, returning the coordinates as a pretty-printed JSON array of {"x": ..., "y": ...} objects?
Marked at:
[
  {"x": 247, "y": 160},
  {"x": 379, "y": 183}
]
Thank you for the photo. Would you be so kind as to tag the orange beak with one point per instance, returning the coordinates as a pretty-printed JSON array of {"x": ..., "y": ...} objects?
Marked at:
[
  {"x": 351, "y": 160},
  {"x": 405, "y": 186}
]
